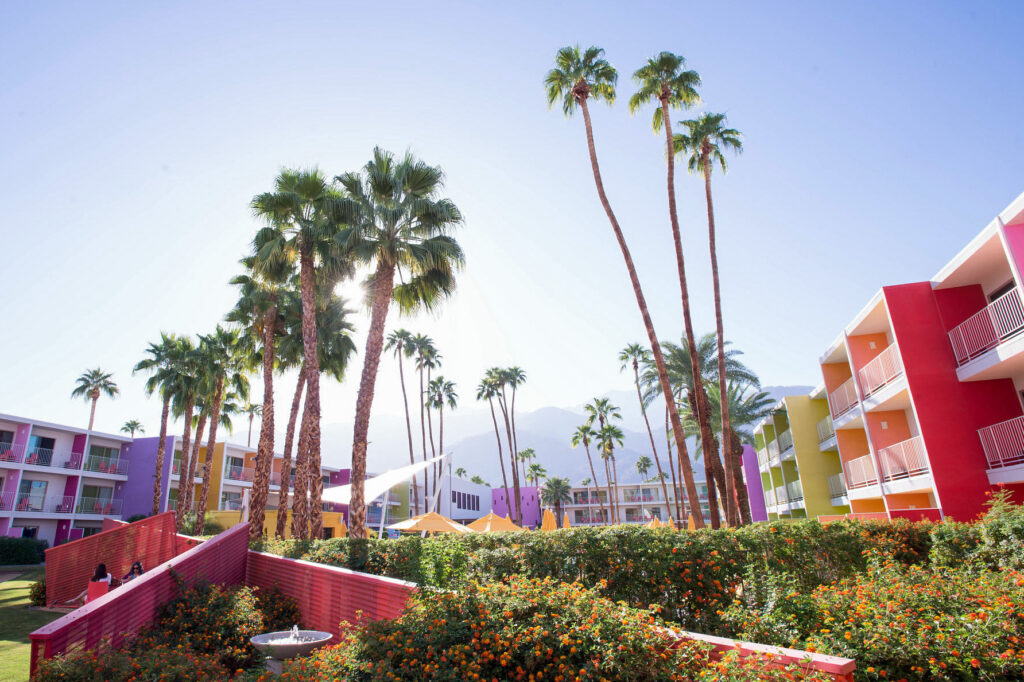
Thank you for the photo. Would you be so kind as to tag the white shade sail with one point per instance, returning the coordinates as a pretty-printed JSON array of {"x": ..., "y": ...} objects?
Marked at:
[{"x": 378, "y": 485}]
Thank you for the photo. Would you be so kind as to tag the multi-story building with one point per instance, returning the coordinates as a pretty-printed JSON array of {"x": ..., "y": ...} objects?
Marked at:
[
  {"x": 924, "y": 385},
  {"x": 798, "y": 464},
  {"x": 529, "y": 503},
  {"x": 58, "y": 482},
  {"x": 459, "y": 499},
  {"x": 637, "y": 502}
]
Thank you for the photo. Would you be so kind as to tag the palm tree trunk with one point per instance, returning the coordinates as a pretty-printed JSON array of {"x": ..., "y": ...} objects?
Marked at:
[
  {"x": 383, "y": 283},
  {"x": 161, "y": 447},
  {"x": 408, "y": 428},
  {"x": 265, "y": 448},
  {"x": 652, "y": 337},
  {"x": 726, "y": 426},
  {"x": 615, "y": 476},
  {"x": 650, "y": 433},
  {"x": 300, "y": 494},
  {"x": 709, "y": 472},
  {"x": 430, "y": 432},
  {"x": 193, "y": 460},
  {"x": 586, "y": 446},
  {"x": 184, "y": 479},
  {"x": 501, "y": 457},
  {"x": 513, "y": 457},
  {"x": 92, "y": 412},
  {"x": 218, "y": 400},
  {"x": 423, "y": 436},
  {"x": 311, "y": 413},
  {"x": 608, "y": 484},
  {"x": 286, "y": 460},
  {"x": 676, "y": 492},
  {"x": 248, "y": 443},
  {"x": 515, "y": 436},
  {"x": 743, "y": 500}
]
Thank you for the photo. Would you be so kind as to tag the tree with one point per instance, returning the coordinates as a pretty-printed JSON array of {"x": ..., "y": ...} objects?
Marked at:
[
  {"x": 90, "y": 385},
  {"x": 664, "y": 78},
  {"x": 224, "y": 366},
  {"x": 607, "y": 437},
  {"x": 487, "y": 390},
  {"x": 397, "y": 224},
  {"x": 460, "y": 472},
  {"x": 186, "y": 391},
  {"x": 131, "y": 426},
  {"x": 536, "y": 473},
  {"x": 252, "y": 411},
  {"x": 441, "y": 392},
  {"x": 631, "y": 356},
  {"x": 555, "y": 493},
  {"x": 602, "y": 411},
  {"x": 643, "y": 465},
  {"x": 400, "y": 342},
  {"x": 302, "y": 213},
  {"x": 160, "y": 362},
  {"x": 500, "y": 379},
  {"x": 584, "y": 434},
  {"x": 705, "y": 140},
  {"x": 515, "y": 377},
  {"x": 576, "y": 78},
  {"x": 477, "y": 480}
]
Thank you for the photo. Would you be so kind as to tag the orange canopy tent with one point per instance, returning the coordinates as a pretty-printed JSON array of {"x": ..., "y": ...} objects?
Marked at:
[
  {"x": 492, "y": 523},
  {"x": 431, "y": 522}
]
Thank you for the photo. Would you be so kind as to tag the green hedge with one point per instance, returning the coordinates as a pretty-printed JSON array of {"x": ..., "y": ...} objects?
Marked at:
[{"x": 22, "y": 551}]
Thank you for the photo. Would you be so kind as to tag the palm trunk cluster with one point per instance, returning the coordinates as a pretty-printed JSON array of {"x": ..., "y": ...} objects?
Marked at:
[
  {"x": 265, "y": 447},
  {"x": 286, "y": 458}
]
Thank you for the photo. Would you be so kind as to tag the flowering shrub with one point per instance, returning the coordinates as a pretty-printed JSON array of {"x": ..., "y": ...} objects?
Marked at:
[
  {"x": 954, "y": 543},
  {"x": 522, "y": 629},
  {"x": 37, "y": 593},
  {"x": 160, "y": 662},
  {"x": 1003, "y": 532}
]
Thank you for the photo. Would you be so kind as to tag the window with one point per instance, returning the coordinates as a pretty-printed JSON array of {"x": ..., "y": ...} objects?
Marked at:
[
  {"x": 100, "y": 493},
  {"x": 29, "y": 531},
  {"x": 40, "y": 451},
  {"x": 231, "y": 501},
  {"x": 172, "y": 499},
  {"x": 30, "y": 495},
  {"x": 6, "y": 445},
  {"x": 103, "y": 451},
  {"x": 176, "y": 466},
  {"x": 89, "y": 530}
]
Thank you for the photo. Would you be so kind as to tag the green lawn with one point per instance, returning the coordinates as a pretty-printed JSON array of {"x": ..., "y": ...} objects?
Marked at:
[{"x": 16, "y": 621}]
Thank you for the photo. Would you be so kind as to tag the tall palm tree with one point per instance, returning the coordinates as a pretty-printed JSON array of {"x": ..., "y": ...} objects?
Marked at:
[
  {"x": 607, "y": 437},
  {"x": 441, "y": 392},
  {"x": 631, "y": 356},
  {"x": 131, "y": 426},
  {"x": 425, "y": 352},
  {"x": 186, "y": 391},
  {"x": 400, "y": 343},
  {"x": 397, "y": 221},
  {"x": 487, "y": 390},
  {"x": 705, "y": 140},
  {"x": 225, "y": 364},
  {"x": 603, "y": 411},
  {"x": 536, "y": 473},
  {"x": 90, "y": 385},
  {"x": 665, "y": 78},
  {"x": 643, "y": 465},
  {"x": 584, "y": 434},
  {"x": 515, "y": 376},
  {"x": 302, "y": 214},
  {"x": 500, "y": 378},
  {"x": 164, "y": 378},
  {"x": 555, "y": 493},
  {"x": 576, "y": 78},
  {"x": 252, "y": 411}
]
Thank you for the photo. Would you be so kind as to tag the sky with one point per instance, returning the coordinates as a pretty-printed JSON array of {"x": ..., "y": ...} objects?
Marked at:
[{"x": 879, "y": 139}]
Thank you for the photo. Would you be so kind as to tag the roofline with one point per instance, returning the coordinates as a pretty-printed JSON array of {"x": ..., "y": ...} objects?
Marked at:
[{"x": 64, "y": 427}]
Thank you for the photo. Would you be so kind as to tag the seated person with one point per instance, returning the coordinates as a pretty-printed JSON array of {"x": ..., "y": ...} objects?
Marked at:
[
  {"x": 101, "y": 575},
  {"x": 135, "y": 572}
]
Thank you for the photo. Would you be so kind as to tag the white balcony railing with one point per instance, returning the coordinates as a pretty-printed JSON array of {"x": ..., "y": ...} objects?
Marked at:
[
  {"x": 46, "y": 457},
  {"x": 1003, "y": 443},
  {"x": 769, "y": 498},
  {"x": 29, "y": 503},
  {"x": 794, "y": 491},
  {"x": 232, "y": 505},
  {"x": 106, "y": 465},
  {"x": 8, "y": 453},
  {"x": 785, "y": 440},
  {"x": 843, "y": 398},
  {"x": 825, "y": 429},
  {"x": 63, "y": 505},
  {"x": 781, "y": 497},
  {"x": 773, "y": 452},
  {"x": 762, "y": 458},
  {"x": 7, "y": 500},
  {"x": 860, "y": 472},
  {"x": 98, "y": 505},
  {"x": 836, "y": 485},
  {"x": 904, "y": 459},
  {"x": 882, "y": 369},
  {"x": 987, "y": 328}
]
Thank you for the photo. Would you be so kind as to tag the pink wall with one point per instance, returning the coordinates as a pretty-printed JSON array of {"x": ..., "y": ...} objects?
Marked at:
[
  {"x": 949, "y": 412},
  {"x": 1015, "y": 244},
  {"x": 528, "y": 496}
]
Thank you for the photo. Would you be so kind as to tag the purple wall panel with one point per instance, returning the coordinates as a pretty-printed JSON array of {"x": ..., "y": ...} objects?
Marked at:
[{"x": 758, "y": 511}]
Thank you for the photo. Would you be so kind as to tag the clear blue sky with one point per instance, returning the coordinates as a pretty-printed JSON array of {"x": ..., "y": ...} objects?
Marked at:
[{"x": 880, "y": 137}]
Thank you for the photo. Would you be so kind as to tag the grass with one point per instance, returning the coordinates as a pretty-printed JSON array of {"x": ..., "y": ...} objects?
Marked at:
[{"x": 16, "y": 622}]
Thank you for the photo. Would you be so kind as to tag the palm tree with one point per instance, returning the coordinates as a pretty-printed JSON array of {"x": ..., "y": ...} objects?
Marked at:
[
  {"x": 440, "y": 392},
  {"x": 302, "y": 215},
  {"x": 397, "y": 221},
  {"x": 400, "y": 342},
  {"x": 460, "y": 472},
  {"x": 664, "y": 78},
  {"x": 90, "y": 385},
  {"x": 576, "y": 78},
  {"x": 607, "y": 437},
  {"x": 602, "y": 411},
  {"x": 426, "y": 360},
  {"x": 252, "y": 411},
  {"x": 500, "y": 379},
  {"x": 131, "y": 426},
  {"x": 224, "y": 366},
  {"x": 584, "y": 434},
  {"x": 524, "y": 458},
  {"x": 643, "y": 465},
  {"x": 705, "y": 140},
  {"x": 161, "y": 362},
  {"x": 515, "y": 376},
  {"x": 186, "y": 391},
  {"x": 631, "y": 356},
  {"x": 555, "y": 493},
  {"x": 536, "y": 473},
  {"x": 487, "y": 390}
]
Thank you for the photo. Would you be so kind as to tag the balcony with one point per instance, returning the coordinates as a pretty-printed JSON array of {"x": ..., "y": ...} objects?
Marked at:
[
  {"x": 781, "y": 497},
  {"x": 785, "y": 440},
  {"x": 633, "y": 496},
  {"x": 904, "y": 459},
  {"x": 773, "y": 453},
  {"x": 986, "y": 329},
  {"x": 762, "y": 459},
  {"x": 825, "y": 430},
  {"x": 231, "y": 505},
  {"x": 843, "y": 398},
  {"x": 860, "y": 473},
  {"x": 100, "y": 506},
  {"x": 8, "y": 454},
  {"x": 769, "y": 498},
  {"x": 106, "y": 465},
  {"x": 29, "y": 503},
  {"x": 62, "y": 505},
  {"x": 7, "y": 501},
  {"x": 794, "y": 491},
  {"x": 240, "y": 474},
  {"x": 883, "y": 369},
  {"x": 837, "y": 486},
  {"x": 1003, "y": 443},
  {"x": 45, "y": 457}
]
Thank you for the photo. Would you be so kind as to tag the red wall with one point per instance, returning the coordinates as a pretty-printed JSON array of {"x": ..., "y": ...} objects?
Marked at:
[
  {"x": 949, "y": 412},
  {"x": 956, "y": 305}
]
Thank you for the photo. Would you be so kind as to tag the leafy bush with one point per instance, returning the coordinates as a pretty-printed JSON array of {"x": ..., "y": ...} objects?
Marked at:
[
  {"x": 136, "y": 517},
  {"x": 159, "y": 662},
  {"x": 522, "y": 629},
  {"x": 1003, "y": 532},
  {"x": 954, "y": 543},
  {"x": 210, "y": 525},
  {"x": 37, "y": 593},
  {"x": 20, "y": 551},
  {"x": 279, "y": 611}
]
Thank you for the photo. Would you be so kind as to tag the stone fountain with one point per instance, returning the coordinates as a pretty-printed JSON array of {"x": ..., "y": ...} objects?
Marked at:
[{"x": 285, "y": 644}]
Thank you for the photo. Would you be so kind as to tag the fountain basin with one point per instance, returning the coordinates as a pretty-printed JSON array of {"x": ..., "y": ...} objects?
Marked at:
[{"x": 290, "y": 643}]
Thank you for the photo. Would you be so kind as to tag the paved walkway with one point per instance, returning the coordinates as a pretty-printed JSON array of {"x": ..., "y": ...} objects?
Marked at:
[{"x": 9, "y": 576}]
